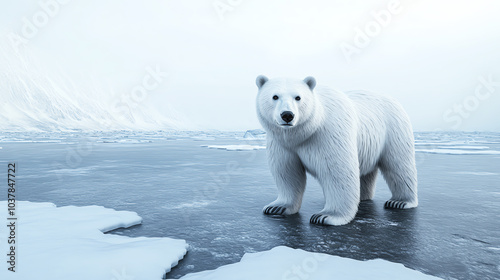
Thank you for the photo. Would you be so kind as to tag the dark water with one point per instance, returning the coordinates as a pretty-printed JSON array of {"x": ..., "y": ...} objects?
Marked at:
[{"x": 213, "y": 199}]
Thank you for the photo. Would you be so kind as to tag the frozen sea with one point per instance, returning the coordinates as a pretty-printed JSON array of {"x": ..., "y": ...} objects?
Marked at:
[{"x": 209, "y": 188}]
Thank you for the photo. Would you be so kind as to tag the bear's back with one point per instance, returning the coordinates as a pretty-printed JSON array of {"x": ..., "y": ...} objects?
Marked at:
[{"x": 378, "y": 110}]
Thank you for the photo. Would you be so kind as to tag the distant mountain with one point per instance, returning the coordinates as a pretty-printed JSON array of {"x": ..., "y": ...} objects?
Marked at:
[{"x": 34, "y": 99}]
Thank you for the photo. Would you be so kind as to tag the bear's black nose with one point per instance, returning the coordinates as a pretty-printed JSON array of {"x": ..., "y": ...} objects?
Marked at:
[{"x": 287, "y": 116}]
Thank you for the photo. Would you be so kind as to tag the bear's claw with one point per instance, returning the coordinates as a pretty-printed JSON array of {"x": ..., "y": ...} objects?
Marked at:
[
  {"x": 393, "y": 204},
  {"x": 274, "y": 210},
  {"x": 318, "y": 219}
]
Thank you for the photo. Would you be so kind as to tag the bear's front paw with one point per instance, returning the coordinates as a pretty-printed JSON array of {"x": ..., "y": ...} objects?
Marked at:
[
  {"x": 274, "y": 210},
  {"x": 328, "y": 220}
]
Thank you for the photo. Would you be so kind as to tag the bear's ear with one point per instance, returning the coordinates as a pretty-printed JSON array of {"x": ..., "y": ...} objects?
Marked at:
[
  {"x": 261, "y": 80},
  {"x": 310, "y": 82}
]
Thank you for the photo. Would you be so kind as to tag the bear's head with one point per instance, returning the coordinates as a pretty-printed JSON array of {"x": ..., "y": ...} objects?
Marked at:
[{"x": 285, "y": 103}]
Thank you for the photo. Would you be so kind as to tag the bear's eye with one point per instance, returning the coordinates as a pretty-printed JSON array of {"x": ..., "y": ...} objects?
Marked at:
[
  {"x": 297, "y": 98},
  {"x": 275, "y": 97}
]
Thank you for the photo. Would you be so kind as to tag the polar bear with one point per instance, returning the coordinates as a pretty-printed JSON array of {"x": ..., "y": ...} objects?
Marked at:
[{"x": 341, "y": 139}]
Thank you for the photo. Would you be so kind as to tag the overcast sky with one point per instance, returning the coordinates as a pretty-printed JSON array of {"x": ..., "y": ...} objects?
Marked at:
[{"x": 440, "y": 59}]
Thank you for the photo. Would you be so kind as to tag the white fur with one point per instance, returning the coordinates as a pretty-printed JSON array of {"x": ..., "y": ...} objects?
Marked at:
[{"x": 342, "y": 139}]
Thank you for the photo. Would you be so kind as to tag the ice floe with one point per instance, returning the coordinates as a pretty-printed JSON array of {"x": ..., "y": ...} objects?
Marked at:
[
  {"x": 287, "y": 263},
  {"x": 203, "y": 138},
  {"x": 235, "y": 147},
  {"x": 464, "y": 147},
  {"x": 69, "y": 243},
  {"x": 458, "y": 152},
  {"x": 476, "y": 173}
]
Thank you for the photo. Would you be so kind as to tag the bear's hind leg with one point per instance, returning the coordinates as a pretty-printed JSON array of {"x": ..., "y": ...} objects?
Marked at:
[
  {"x": 367, "y": 185},
  {"x": 400, "y": 173}
]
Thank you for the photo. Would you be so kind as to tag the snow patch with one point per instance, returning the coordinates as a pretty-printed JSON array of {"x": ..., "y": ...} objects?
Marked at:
[
  {"x": 457, "y": 152},
  {"x": 203, "y": 138},
  {"x": 235, "y": 147},
  {"x": 69, "y": 243},
  {"x": 475, "y": 173},
  {"x": 424, "y": 143},
  {"x": 33, "y": 141},
  {"x": 465, "y": 147},
  {"x": 287, "y": 263},
  {"x": 194, "y": 204},
  {"x": 126, "y": 141}
]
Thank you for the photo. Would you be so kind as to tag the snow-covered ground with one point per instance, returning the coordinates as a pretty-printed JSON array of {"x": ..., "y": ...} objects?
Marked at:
[{"x": 69, "y": 243}]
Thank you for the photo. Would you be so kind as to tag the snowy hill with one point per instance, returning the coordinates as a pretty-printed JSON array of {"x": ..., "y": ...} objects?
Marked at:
[{"x": 33, "y": 98}]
